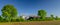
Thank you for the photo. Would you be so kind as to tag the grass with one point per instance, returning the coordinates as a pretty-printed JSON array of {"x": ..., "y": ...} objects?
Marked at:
[{"x": 32, "y": 23}]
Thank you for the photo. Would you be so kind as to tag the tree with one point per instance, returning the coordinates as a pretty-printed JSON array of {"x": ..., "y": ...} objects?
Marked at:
[
  {"x": 52, "y": 17},
  {"x": 1, "y": 19},
  {"x": 56, "y": 18},
  {"x": 42, "y": 13},
  {"x": 9, "y": 11}
]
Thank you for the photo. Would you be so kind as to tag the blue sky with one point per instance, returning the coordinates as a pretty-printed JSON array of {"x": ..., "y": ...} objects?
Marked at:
[{"x": 28, "y": 7}]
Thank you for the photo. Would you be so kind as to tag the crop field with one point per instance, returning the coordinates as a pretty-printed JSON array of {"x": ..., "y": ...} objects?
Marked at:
[{"x": 32, "y": 23}]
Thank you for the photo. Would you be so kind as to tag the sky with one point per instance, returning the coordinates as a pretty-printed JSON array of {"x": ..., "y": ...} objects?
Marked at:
[{"x": 31, "y": 7}]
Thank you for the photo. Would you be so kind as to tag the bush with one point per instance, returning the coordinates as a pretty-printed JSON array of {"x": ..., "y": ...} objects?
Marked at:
[
  {"x": 17, "y": 20},
  {"x": 13, "y": 20},
  {"x": 21, "y": 19},
  {"x": 1, "y": 18},
  {"x": 49, "y": 19}
]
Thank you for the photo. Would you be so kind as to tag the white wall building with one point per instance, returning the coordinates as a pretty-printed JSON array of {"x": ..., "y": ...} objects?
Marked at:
[{"x": 25, "y": 17}]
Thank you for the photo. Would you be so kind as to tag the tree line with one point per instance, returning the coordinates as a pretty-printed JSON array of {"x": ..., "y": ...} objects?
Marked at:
[
  {"x": 10, "y": 14},
  {"x": 43, "y": 16}
]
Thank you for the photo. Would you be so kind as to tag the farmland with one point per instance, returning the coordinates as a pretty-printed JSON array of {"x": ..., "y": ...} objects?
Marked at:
[{"x": 32, "y": 23}]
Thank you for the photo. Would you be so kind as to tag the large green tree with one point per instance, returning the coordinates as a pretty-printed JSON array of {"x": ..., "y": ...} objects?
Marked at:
[
  {"x": 42, "y": 13},
  {"x": 9, "y": 11}
]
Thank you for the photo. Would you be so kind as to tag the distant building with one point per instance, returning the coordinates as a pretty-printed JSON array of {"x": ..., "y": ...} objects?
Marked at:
[
  {"x": 31, "y": 17},
  {"x": 25, "y": 17}
]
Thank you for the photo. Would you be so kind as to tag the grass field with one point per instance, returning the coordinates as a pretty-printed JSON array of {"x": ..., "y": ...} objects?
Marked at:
[{"x": 33, "y": 23}]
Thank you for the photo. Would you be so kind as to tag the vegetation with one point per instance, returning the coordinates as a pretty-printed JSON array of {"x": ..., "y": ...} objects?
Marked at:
[
  {"x": 9, "y": 14},
  {"x": 42, "y": 13},
  {"x": 9, "y": 11},
  {"x": 56, "y": 18}
]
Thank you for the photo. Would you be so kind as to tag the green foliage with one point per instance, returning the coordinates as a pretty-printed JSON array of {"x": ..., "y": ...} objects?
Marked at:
[
  {"x": 1, "y": 19},
  {"x": 5, "y": 20},
  {"x": 52, "y": 17},
  {"x": 42, "y": 13},
  {"x": 37, "y": 19},
  {"x": 56, "y": 18},
  {"x": 9, "y": 11},
  {"x": 34, "y": 19},
  {"x": 49, "y": 19},
  {"x": 21, "y": 19},
  {"x": 17, "y": 20},
  {"x": 13, "y": 20}
]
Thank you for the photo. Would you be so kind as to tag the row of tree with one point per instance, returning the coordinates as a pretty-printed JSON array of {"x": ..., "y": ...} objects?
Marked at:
[
  {"x": 43, "y": 14},
  {"x": 9, "y": 14}
]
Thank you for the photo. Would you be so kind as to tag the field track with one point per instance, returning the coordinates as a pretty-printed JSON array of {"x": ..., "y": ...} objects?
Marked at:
[{"x": 33, "y": 23}]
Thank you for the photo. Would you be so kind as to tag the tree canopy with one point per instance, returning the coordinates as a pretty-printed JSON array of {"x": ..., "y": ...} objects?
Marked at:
[
  {"x": 9, "y": 11},
  {"x": 42, "y": 13}
]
